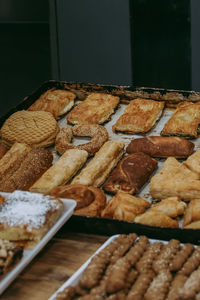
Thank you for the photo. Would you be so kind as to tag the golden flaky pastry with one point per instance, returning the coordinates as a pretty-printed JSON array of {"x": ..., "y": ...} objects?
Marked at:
[
  {"x": 139, "y": 116},
  {"x": 125, "y": 207},
  {"x": 95, "y": 109},
  {"x": 177, "y": 179},
  {"x": 61, "y": 172},
  {"x": 172, "y": 206},
  {"x": 156, "y": 218},
  {"x": 35, "y": 128},
  {"x": 184, "y": 121},
  {"x": 100, "y": 166},
  {"x": 192, "y": 212},
  {"x": 56, "y": 101}
]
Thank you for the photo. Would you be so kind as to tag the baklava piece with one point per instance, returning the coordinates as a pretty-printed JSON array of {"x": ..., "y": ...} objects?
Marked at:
[
  {"x": 184, "y": 121},
  {"x": 139, "y": 116},
  {"x": 95, "y": 109},
  {"x": 9, "y": 255}
]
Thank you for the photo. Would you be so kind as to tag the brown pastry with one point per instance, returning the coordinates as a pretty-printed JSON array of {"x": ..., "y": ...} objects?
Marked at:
[
  {"x": 90, "y": 200},
  {"x": 98, "y": 169},
  {"x": 139, "y": 116},
  {"x": 95, "y": 109},
  {"x": 34, "y": 128},
  {"x": 184, "y": 121},
  {"x": 55, "y": 101},
  {"x": 36, "y": 162},
  {"x": 3, "y": 149},
  {"x": 124, "y": 206},
  {"x": 98, "y": 134},
  {"x": 131, "y": 174},
  {"x": 61, "y": 172},
  {"x": 158, "y": 146},
  {"x": 156, "y": 218}
]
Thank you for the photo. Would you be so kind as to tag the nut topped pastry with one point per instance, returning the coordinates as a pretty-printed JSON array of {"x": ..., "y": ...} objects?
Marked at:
[
  {"x": 35, "y": 128},
  {"x": 95, "y": 109},
  {"x": 56, "y": 101},
  {"x": 9, "y": 255},
  {"x": 139, "y": 116},
  {"x": 26, "y": 216}
]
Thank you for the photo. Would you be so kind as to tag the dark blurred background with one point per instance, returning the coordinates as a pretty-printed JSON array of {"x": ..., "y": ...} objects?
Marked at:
[{"x": 141, "y": 42}]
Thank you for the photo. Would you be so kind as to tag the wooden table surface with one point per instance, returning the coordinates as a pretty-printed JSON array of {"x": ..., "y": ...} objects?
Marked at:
[{"x": 60, "y": 258}]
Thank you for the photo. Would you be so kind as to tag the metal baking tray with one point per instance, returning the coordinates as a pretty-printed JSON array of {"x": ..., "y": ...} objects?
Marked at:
[{"x": 105, "y": 226}]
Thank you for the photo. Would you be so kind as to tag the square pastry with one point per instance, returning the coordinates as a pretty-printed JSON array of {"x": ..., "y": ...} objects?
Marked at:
[
  {"x": 95, "y": 109},
  {"x": 139, "y": 116},
  {"x": 184, "y": 121}
]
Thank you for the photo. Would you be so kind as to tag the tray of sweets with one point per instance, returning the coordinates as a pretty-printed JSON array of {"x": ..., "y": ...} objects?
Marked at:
[
  {"x": 170, "y": 99},
  {"x": 134, "y": 267}
]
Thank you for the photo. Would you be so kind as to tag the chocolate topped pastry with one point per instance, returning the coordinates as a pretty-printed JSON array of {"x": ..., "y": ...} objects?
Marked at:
[{"x": 131, "y": 174}]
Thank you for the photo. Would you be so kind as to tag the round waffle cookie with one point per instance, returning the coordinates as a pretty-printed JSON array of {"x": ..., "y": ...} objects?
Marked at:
[{"x": 35, "y": 128}]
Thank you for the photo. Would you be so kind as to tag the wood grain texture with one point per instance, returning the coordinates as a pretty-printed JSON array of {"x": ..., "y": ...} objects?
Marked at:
[{"x": 60, "y": 258}]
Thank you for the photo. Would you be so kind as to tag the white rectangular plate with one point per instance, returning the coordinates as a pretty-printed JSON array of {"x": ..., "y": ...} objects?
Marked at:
[{"x": 28, "y": 255}]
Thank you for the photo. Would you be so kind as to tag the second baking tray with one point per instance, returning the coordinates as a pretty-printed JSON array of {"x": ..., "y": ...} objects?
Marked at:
[{"x": 104, "y": 226}]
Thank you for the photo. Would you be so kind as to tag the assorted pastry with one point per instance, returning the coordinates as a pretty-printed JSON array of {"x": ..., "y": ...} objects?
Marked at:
[
  {"x": 134, "y": 267},
  {"x": 105, "y": 175}
]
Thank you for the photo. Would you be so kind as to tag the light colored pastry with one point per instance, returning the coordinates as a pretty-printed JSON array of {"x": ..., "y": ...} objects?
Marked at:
[
  {"x": 156, "y": 218},
  {"x": 175, "y": 180},
  {"x": 11, "y": 161},
  {"x": 139, "y": 116},
  {"x": 95, "y": 109},
  {"x": 55, "y": 101},
  {"x": 90, "y": 200},
  {"x": 125, "y": 207},
  {"x": 34, "y": 164},
  {"x": 26, "y": 216},
  {"x": 35, "y": 128},
  {"x": 184, "y": 121},
  {"x": 193, "y": 225},
  {"x": 192, "y": 212},
  {"x": 98, "y": 169},
  {"x": 61, "y": 172},
  {"x": 98, "y": 134},
  {"x": 172, "y": 207},
  {"x": 193, "y": 162}
]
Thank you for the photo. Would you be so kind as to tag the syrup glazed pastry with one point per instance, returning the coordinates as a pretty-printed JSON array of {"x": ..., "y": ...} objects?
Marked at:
[
  {"x": 58, "y": 102},
  {"x": 61, "y": 172},
  {"x": 35, "y": 128},
  {"x": 158, "y": 146},
  {"x": 98, "y": 134},
  {"x": 95, "y": 109},
  {"x": 184, "y": 121},
  {"x": 35, "y": 163},
  {"x": 26, "y": 216},
  {"x": 9, "y": 255},
  {"x": 98, "y": 169},
  {"x": 90, "y": 200},
  {"x": 131, "y": 173},
  {"x": 139, "y": 116},
  {"x": 125, "y": 207}
]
